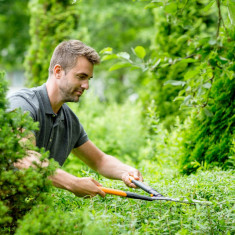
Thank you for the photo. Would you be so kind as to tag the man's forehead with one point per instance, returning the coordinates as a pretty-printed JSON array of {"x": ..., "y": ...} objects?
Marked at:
[{"x": 83, "y": 66}]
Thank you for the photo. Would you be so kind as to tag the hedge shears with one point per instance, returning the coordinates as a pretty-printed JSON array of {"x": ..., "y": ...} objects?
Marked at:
[{"x": 154, "y": 195}]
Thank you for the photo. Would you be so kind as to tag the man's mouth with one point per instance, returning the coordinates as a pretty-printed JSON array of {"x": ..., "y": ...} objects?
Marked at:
[{"x": 79, "y": 92}]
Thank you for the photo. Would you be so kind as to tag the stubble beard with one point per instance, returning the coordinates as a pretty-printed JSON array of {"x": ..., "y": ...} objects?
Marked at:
[
  {"x": 67, "y": 94},
  {"x": 69, "y": 97}
]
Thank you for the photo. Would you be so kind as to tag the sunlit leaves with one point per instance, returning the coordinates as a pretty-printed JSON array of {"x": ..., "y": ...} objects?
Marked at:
[
  {"x": 209, "y": 5},
  {"x": 119, "y": 65},
  {"x": 207, "y": 85},
  {"x": 175, "y": 83},
  {"x": 140, "y": 52},
  {"x": 109, "y": 57},
  {"x": 171, "y": 7},
  {"x": 107, "y": 50},
  {"x": 191, "y": 74},
  {"x": 231, "y": 11},
  {"x": 124, "y": 55},
  {"x": 154, "y": 4}
]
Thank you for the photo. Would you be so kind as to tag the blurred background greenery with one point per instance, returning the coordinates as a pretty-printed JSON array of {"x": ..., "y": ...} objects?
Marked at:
[{"x": 158, "y": 71}]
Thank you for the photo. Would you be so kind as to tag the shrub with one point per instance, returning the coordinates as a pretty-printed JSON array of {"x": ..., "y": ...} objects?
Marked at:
[
  {"x": 209, "y": 139},
  {"x": 20, "y": 189},
  {"x": 47, "y": 220}
]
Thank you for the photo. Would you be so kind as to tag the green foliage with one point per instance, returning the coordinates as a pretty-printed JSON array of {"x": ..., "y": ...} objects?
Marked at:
[
  {"x": 112, "y": 27},
  {"x": 116, "y": 129},
  {"x": 46, "y": 220},
  {"x": 20, "y": 189},
  {"x": 178, "y": 25},
  {"x": 51, "y": 22},
  {"x": 128, "y": 216},
  {"x": 14, "y": 35},
  {"x": 210, "y": 138},
  {"x": 121, "y": 31},
  {"x": 194, "y": 58}
]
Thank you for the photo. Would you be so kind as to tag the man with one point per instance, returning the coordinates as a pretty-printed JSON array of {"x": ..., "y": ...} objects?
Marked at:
[{"x": 60, "y": 131}]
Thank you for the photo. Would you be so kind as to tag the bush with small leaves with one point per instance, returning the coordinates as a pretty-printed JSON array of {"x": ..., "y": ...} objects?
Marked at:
[{"x": 20, "y": 189}]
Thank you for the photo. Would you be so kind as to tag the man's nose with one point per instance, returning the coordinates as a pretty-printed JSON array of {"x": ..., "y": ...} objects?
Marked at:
[{"x": 85, "y": 84}]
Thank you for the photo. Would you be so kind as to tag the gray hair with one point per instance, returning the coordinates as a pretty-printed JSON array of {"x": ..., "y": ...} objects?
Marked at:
[{"x": 67, "y": 52}]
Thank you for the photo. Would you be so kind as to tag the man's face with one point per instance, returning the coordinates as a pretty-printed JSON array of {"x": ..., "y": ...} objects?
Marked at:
[{"x": 76, "y": 80}]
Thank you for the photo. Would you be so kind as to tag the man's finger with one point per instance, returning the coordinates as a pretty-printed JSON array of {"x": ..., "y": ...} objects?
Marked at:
[
  {"x": 101, "y": 193},
  {"x": 96, "y": 182},
  {"x": 128, "y": 182}
]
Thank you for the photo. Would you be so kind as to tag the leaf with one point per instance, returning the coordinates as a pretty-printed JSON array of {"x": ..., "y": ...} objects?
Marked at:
[
  {"x": 207, "y": 85},
  {"x": 153, "y": 4},
  {"x": 182, "y": 38},
  {"x": 140, "y": 52},
  {"x": 156, "y": 64},
  {"x": 187, "y": 98},
  {"x": 191, "y": 74},
  {"x": 107, "y": 50},
  {"x": 109, "y": 57},
  {"x": 123, "y": 55},
  {"x": 188, "y": 60},
  {"x": 209, "y": 5},
  {"x": 231, "y": 11},
  {"x": 230, "y": 74},
  {"x": 171, "y": 8},
  {"x": 119, "y": 66},
  {"x": 208, "y": 112},
  {"x": 188, "y": 88},
  {"x": 181, "y": 98},
  {"x": 175, "y": 83}
]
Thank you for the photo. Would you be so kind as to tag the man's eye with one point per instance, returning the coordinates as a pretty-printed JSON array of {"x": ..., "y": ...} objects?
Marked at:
[{"x": 81, "y": 77}]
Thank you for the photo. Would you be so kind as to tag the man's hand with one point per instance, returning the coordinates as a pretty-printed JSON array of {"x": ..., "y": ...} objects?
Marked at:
[
  {"x": 81, "y": 187},
  {"x": 106, "y": 165},
  {"x": 133, "y": 173},
  {"x": 86, "y": 187}
]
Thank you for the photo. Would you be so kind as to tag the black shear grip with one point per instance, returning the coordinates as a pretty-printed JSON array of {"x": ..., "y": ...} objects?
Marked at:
[{"x": 146, "y": 188}]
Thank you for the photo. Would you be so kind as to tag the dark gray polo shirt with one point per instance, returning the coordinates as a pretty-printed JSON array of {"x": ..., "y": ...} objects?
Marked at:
[{"x": 58, "y": 133}]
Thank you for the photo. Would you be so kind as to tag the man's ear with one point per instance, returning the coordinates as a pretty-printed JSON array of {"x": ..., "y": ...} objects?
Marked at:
[{"x": 57, "y": 71}]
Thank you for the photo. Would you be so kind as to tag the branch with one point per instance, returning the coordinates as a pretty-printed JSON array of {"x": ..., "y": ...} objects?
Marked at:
[{"x": 220, "y": 17}]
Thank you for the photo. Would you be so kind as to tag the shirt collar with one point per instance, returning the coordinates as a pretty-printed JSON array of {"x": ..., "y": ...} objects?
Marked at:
[{"x": 47, "y": 105}]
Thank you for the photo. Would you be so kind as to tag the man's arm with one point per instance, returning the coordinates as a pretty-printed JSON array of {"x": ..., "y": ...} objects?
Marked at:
[
  {"x": 82, "y": 187},
  {"x": 106, "y": 165}
]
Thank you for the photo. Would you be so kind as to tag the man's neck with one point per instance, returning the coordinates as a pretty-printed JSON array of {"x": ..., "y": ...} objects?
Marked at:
[{"x": 53, "y": 95}]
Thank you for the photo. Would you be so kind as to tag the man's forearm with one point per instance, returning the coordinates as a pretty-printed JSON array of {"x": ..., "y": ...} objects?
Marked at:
[
  {"x": 61, "y": 179},
  {"x": 112, "y": 168}
]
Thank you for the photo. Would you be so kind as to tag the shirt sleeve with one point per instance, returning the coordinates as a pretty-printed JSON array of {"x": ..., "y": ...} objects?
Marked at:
[
  {"x": 16, "y": 102},
  {"x": 82, "y": 137}
]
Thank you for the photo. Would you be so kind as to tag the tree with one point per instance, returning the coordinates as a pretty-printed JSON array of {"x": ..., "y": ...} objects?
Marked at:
[
  {"x": 14, "y": 35},
  {"x": 51, "y": 22}
]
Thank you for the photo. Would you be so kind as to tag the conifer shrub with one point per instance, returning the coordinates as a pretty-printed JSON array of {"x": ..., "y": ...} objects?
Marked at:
[
  {"x": 20, "y": 189},
  {"x": 51, "y": 22},
  {"x": 209, "y": 140}
]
